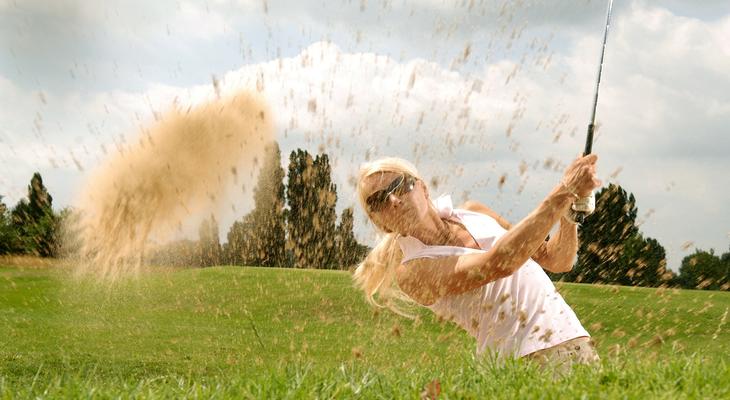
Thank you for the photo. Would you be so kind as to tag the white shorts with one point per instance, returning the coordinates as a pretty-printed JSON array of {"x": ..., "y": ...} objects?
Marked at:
[{"x": 561, "y": 358}]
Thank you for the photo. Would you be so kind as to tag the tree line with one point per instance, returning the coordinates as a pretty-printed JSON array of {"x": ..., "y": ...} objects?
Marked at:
[{"x": 294, "y": 224}]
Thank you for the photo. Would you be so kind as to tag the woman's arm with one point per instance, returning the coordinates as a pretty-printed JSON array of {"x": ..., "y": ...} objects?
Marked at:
[
  {"x": 555, "y": 255},
  {"x": 427, "y": 279}
]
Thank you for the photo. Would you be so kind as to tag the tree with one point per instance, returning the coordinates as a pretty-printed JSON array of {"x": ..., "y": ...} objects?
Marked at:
[
  {"x": 725, "y": 261},
  {"x": 311, "y": 217},
  {"x": 298, "y": 196},
  {"x": 325, "y": 216},
  {"x": 209, "y": 243},
  {"x": 703, "y": 270},
  {"x": 39, "y": 200},
  {"x": 238, "y": 236},
  {"x": 34, "y": 221},
  {"x": 8, "y": 236},
  {"x": 349, "y": 251},
  {"x": 643, "y": 262},
  {"x": 725, "y": 257},
  {"x": 259, "y": 238},
  {"x": 265, "y": 243},
  {"x": 603, "y": 236}
]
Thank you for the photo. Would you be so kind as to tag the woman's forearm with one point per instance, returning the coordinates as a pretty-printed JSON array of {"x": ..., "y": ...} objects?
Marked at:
[
  {"x": 516, "y": 246},
  {"x": 561, "y": 248}
]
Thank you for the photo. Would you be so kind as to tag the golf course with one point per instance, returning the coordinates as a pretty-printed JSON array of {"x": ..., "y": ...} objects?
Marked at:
[
  {"x": 255, "y": 199},
  {"x": 247, "y": 332}
]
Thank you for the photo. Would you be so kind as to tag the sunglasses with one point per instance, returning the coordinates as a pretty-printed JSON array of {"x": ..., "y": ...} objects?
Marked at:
[{"x": 400, "y": 186}]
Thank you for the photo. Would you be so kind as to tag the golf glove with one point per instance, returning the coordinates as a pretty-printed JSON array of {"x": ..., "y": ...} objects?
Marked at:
[{"x": 584, "y": 205}]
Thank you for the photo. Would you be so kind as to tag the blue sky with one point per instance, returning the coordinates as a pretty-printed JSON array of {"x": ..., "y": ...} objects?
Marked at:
[{"x": 390, "y": 78}]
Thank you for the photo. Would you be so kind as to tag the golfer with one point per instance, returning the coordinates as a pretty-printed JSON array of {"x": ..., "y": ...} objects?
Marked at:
[{"x": 472, "y": 267}]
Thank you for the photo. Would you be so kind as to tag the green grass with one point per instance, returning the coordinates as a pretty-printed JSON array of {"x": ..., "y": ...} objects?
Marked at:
[{"x": 272, "y": 333}]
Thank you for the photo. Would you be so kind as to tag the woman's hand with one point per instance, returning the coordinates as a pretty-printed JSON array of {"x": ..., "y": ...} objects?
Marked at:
[{"x": 580, "y": 176}]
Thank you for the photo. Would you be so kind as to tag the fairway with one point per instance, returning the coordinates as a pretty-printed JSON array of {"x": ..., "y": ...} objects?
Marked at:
[{"x": 260, "y": 332}]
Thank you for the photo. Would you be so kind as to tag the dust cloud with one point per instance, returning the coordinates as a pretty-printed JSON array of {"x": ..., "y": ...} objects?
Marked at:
[{"x": 179, "y": 168}]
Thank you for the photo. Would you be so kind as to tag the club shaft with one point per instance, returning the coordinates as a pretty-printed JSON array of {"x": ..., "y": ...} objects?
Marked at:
[
  {"x": 591, "y": 126},
  {"x": 580, "y": 217}
]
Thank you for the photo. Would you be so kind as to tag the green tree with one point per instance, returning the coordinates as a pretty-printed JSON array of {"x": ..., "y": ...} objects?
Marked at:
[
  {"x": 603, "y": 236},
  {"x": 298, "y": 195},
  {"x": 643, "y": 263},
  {"x": 34, "y": 221},
  {"x": 8, "y": 236},
  {"x": 725, "y": 257},
  {"x": 725, "y": 261},
  {"x": 265, "y": 243},
  {"x": 349, "y": 251},
  {"x": 238, "y": 235},
  {"x": 325, "y": 221},
  {"x": 311, "y": 217},
  {"x": 233, "y": 249},
  {"x": 259, "y": 238},
  {"x": 703, "y": 270}
]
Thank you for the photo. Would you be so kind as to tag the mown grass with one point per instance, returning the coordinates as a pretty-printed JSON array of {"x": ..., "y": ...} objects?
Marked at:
[{"x": 274, "y": 333}]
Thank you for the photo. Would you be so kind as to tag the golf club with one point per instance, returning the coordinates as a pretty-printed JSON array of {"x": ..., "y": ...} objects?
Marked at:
[{"x": 587, "y": 204}]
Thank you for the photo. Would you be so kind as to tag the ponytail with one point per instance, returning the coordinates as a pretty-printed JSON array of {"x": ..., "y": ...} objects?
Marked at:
[{"x": 376, "y": 274}]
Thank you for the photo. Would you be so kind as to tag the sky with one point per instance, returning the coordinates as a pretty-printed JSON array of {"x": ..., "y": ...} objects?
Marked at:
[{"x": 474, "y": 92}]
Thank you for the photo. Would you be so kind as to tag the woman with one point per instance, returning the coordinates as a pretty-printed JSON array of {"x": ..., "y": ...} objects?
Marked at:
[{"x": 472, "y": 267}]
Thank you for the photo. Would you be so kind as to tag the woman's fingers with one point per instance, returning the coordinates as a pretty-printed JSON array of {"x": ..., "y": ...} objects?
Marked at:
[
  {"x": 585, "y": 179},
  {"x": 581, "y": 175},
  {"x": 589, "y": 159}
]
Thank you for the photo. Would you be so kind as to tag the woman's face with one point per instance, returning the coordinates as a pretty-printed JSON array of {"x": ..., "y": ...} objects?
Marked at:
[{"x": 398, "y": 213}]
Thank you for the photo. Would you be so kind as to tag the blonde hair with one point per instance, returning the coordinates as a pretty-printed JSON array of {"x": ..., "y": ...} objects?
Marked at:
[{"x": 376, "y": 274}]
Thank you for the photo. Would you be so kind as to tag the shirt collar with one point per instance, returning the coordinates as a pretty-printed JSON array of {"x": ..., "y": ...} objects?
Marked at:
[{"x": 444, "y": 206}]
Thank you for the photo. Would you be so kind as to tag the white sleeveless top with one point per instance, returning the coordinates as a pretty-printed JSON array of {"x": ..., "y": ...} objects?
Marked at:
[{"x": 512, "y": 316}]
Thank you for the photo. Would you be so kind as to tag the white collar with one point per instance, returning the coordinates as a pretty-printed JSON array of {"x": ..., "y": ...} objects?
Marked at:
[{"x": 444, "y": 206}]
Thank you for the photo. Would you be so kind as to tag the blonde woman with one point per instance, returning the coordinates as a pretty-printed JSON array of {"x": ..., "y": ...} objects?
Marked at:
[{"x": 471, "y": 266}]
